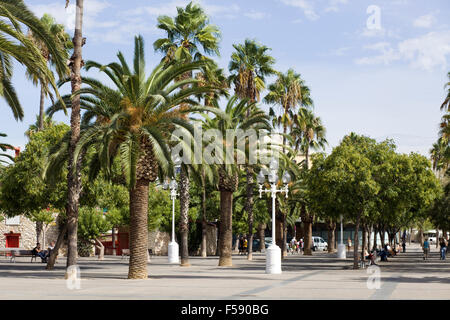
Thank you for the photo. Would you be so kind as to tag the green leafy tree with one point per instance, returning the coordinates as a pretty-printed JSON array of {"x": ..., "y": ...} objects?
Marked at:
[
  {"x": 92, "y": 223},
  {"x": 23, "y": 189}
]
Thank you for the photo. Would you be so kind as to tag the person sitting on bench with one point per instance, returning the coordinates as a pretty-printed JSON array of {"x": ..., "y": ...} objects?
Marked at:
[{"x": 41, "y": 253}]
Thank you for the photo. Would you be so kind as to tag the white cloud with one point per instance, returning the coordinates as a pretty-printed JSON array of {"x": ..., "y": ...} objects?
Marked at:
[
  {"x": 428, "y": 51},
  {"x": 170, "y": 9},
  {"x": 66, "y": 16},
  {"x": 333, "y": 5},
  {"x": 339, "y": 52},
  {"x": 256, "y": 15},
  {"x": 305, "y": 5},
  {"x": 425, "y": 21},
  {"x": 425, "y": 52}
]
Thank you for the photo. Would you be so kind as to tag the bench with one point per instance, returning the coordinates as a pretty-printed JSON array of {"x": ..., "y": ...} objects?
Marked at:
[{"x": 23, "y": 253}]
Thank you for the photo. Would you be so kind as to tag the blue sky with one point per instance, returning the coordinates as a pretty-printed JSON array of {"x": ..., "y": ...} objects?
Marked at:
[{"x": 382, "y": 80}]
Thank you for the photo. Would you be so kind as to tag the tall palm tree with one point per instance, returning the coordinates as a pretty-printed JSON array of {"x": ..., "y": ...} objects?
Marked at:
[
  {"x": 14, "y": 45},
  {"x": 289, "y": 92},
  {"x": 134, "y": 122},
  {"x": 308, "y": 134},
  {"x": 210, "y": 75},
  {"x": 63, "y": 40},
  {"x": 249, "y": 66},
  {"x": 444, "y": 125},
  {"x": 236, "y": 118},
  {"x": 440, "y": 156},
  {"x": 74, "y": 167},
  {"x": 190, "y": 37}
]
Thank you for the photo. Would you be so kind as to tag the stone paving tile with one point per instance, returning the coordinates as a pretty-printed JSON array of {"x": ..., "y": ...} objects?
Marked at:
[{"x": 320, "y": 276}]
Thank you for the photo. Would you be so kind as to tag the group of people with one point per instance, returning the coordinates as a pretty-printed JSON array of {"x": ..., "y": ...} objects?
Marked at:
[
  {"x": 243, "y": 245},
  {"x": 43, "y": 254},
  {"x": 296, "y": 246},
  {"x": 443, "y": 248}
]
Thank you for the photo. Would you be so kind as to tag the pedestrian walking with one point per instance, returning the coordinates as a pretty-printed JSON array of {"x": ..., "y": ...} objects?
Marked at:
[
  {"x": 426, "y": 249},
  {"x": 349, "y": 243},
  {"x": 241, "y": 245},
  {"x": 404, "y": 246},
  {"x": 443, "y": 246}
]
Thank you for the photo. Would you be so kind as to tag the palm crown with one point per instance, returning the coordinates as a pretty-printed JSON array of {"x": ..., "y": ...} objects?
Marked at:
[
  {"x": 249, "y": 66},
  {"x": 186, "y": 33}
]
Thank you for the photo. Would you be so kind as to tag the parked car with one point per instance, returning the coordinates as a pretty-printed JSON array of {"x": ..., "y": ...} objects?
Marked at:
[{"x": 318, "y": 243}]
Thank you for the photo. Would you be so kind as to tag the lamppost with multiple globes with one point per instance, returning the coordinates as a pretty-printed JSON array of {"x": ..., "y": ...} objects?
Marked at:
[
  {"x": 173, "y": 250},
  {"x": 273, "y": 255}
]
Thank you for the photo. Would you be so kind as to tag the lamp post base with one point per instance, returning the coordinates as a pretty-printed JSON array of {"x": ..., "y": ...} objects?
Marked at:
[
  {"x": 273, "y": 259},
  {"x": 341, "y": 251},
  {"x": 173, "y": 252}
]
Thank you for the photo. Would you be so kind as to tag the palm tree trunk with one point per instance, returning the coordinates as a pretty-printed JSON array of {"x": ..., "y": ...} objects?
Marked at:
[
  {"x": 204, "y": 231},
  {"x": 138, "y": 230},
  {"x": 262, "y": 243},
  {"x": 74, "y": 174},
  {"x": 41, "y": 109},
  {"x": 249, "y": 209},
  {"x": 184, "y": 216},
  {"x": 307, "y": 220},
  {"x": 307, "y": 225},
  {"x": 226, "y": 236}
]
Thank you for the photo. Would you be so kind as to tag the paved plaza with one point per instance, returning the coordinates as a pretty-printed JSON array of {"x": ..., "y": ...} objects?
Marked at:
[{"x": 320, "y": 276}]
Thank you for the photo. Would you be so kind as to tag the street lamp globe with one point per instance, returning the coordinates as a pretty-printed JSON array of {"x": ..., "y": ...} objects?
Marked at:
[
  {"x": 273, "y": 165},
  {"x": 261, "y": 178},
  {"x": 286, "y": 178},
  {"x": 273, "y": 177},
  {"x": 173, "y": 185}
]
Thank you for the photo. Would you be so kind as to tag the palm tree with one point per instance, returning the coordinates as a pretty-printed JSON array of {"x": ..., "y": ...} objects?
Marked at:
[
  {"x": 35, "y": 127},
  {"x": 210, "y": 75},
  {"x": 444, "y": 125},
  {"x": 440, "y": 156},
  {"x": 249, "y": 65},
  {"x": 189, "y": 38},
  {"x": 446, "y": 104},
  {"x": 289, "y": 92},
  {"x": 74, "y": 168},
  {"x": 4, "y": 147},
  {"x": 308, "y": 134},
  {"x": 62, "y": 40},
  {"x": 134, "y": 122},
  {"x": 14, "y": 45},
  {"x": 236, "y": 118}
]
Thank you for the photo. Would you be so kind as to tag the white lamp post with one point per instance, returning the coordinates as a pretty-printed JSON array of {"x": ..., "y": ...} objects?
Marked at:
[
  {"x": 173, "y": 248},
  {"x": 341, "y": 247},
  {"x": 273, "y": 255}
]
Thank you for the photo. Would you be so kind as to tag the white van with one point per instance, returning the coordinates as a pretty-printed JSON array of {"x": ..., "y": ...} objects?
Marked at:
[{"x": 318, "y": 243}]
